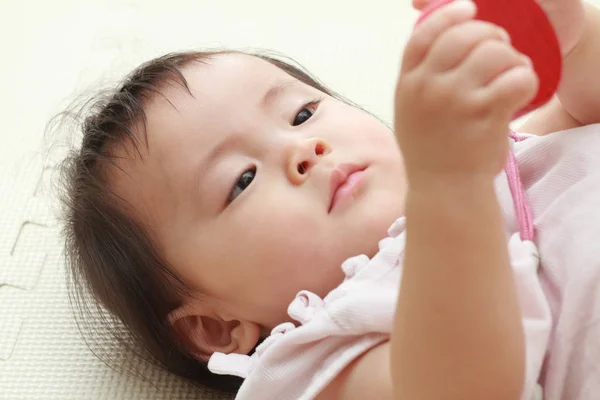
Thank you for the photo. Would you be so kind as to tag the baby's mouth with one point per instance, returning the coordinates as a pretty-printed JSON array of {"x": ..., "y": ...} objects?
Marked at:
[{"x": 345, "y": 180}]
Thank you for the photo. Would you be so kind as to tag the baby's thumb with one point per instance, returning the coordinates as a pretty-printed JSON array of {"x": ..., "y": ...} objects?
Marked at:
[{"x": 421, "y": 4}]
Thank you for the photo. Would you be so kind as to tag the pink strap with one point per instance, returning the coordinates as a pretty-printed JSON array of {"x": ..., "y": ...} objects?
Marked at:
[{"x": 522, "y": 206}]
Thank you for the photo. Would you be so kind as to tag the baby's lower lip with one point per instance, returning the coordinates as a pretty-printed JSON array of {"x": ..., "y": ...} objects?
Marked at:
[{"x": 349, "y": 187}]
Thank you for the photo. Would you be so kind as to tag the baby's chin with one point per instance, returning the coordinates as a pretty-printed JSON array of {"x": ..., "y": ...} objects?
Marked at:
[
  {"x": 330, "y": 276},
  {"x": 322, "y": 270},
  {"x": 375, "y": 229}
]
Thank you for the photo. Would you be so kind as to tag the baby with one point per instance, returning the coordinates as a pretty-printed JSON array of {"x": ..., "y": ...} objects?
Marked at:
[{"x": 216, "y": 195}]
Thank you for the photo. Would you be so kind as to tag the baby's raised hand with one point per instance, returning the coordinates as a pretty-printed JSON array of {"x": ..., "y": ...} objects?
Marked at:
[
  {"x": 460, "y": 83},
  {"x": 567, "y": 18}
]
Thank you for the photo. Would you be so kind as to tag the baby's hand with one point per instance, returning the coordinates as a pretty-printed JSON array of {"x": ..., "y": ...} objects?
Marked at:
[
  {"x": 567, "y": 18},
  {"x": 460, "y": 83}
]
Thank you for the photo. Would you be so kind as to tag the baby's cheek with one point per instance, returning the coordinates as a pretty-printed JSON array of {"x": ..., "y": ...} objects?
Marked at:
[
  {"x": 296, "y": 248},
  {"x": 372, "y": 136},
  {"x": 288, "y": 234},
  {"x": 385, "y": 143}
]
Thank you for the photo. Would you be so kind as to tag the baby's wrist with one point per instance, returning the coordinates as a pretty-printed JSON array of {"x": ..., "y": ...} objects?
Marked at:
[
  {"x": 449, "y": 183},
  {"x": 454, "y": 202},
  {"x": 451, "y": 191}
]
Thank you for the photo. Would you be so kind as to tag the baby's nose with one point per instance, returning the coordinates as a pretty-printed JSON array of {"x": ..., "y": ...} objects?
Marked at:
[{"x": 303, "y": 156}]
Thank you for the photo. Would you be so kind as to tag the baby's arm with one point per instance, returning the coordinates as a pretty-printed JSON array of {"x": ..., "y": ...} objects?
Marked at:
[
  {"x": 458, "y": 298},
  {"x": 578, "y": 99},
  {"x": 457, "y": 332}
]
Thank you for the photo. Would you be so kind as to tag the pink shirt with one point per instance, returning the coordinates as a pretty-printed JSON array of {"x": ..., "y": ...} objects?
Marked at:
[{"x": 559, "y": 295}]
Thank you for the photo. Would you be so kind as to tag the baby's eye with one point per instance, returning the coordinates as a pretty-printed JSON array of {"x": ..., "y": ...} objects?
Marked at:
[
  {"x": 305, "y": 114},
  {"x": 242, "y": 183}
]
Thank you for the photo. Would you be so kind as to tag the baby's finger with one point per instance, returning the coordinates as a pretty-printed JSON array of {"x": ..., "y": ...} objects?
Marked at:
[
  {"x": 512, "y": 89},
  {"x": 490, "y": 59},
  {"x": 421, "y": 4},
  {"x": 454, "y": 45},
  {"x": 427, "y": 31}
]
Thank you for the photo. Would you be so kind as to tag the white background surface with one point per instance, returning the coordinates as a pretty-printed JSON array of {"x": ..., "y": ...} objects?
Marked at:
[{"x": 51, "y": 52}]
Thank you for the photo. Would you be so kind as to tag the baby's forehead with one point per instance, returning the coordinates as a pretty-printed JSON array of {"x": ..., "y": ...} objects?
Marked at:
[
  {"x": 222, "y": 94},
  {"x": 219, "y": 82},
  {"x": 219, "y": 89},
  {"x": 233, "y": 74}
]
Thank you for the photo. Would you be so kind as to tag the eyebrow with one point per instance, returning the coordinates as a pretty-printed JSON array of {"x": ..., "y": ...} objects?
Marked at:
[
  {"x": 206, "y": 164},
  {"x": 275, "y": 93}
]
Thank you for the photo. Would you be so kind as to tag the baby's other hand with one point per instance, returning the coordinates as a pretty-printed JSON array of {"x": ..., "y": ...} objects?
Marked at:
[
  {"x": 460, "y": 83},
  {"x": 568, "y": 19}
]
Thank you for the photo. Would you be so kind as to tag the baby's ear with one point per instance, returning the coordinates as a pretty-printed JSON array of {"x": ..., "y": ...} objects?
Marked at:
[{"x": 204, "y": 333}]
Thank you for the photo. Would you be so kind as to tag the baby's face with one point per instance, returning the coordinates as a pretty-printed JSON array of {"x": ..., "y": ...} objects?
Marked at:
[{"x": 237, "y": 185}]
